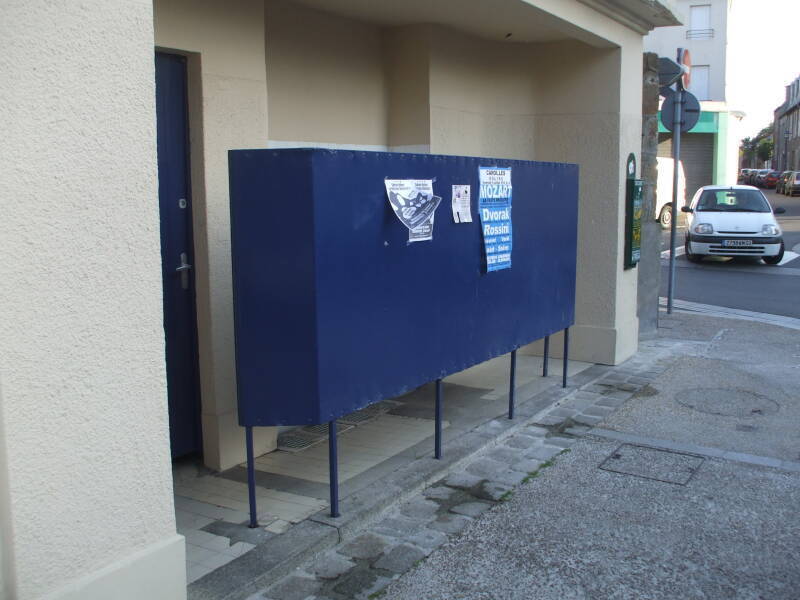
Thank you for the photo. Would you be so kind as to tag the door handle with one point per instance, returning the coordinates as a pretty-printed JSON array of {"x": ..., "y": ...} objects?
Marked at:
[{"x": 184, "y": 269}]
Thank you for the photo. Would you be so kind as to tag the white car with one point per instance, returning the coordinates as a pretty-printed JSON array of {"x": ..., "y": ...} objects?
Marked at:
[{"x": 733, "y": 220}]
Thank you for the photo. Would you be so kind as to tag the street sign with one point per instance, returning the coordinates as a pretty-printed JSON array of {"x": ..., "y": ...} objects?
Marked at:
[
  {"x": 690, "y": 111},
  {"x": 685, "y": 60},
  {"x": 668, "y": 71}
]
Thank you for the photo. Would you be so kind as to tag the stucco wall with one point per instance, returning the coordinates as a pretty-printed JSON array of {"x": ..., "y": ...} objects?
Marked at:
[
  {"x": 482, "y": 96},
  {"x": 228, "y": 109},
  {"x": 326, "y": 77},
  {"x": 81, "y": 336}
]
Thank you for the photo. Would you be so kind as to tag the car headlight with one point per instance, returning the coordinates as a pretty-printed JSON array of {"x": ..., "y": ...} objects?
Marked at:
[
  {"x": 703, "y": 228},
  {"x": 770, "y": 230}
]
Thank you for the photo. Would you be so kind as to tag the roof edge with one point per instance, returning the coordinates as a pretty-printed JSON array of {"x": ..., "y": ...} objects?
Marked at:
[{"x": 640, "y": 15}]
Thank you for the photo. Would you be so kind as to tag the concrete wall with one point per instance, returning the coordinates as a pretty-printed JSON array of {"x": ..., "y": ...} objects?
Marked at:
[
  {"x": 325, "y": 76},
  {"x": 228, "y": 109},
  {"x": 84, "y": 404}
]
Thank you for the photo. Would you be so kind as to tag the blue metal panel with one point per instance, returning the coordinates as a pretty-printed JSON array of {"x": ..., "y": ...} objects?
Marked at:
[{"x": 336, "y": 310}]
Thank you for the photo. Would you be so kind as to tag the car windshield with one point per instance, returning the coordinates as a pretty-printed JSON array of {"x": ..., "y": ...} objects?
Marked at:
[{"x": 732, "y": 201}]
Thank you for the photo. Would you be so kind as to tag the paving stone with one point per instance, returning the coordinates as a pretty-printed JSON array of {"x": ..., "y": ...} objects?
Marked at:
[
  {"x": 427, "y": 539},
  {"x": 549, "y": 420},
  {"x": 400, "y": 558},
  {"x": 509, "y": 478},
  {"x": 542, "y": 452},
  {"x": 522, "y": 441},
  {"x": 560, "y": 442},
  {"x": 611, "y": 402},
  {"x": 331, "y": 565},
  {"x": 622, "y": 395},
  {"x": 367, "y": 545},
  {"x": 503, "y": 455},
  {"x": 577, "y": 430},
  {"x": 471, "y": 509},
  {"x": 527, "y": 466},
  {"x": 360, "y": 583},
  {"x": 451, "y": 523},
  {"x": 629, "y": 387},
  {"x": 493, "y": 490},
  {"x": 598, "y": 411},
  {"x": 462, "y": 480},
  {"x": 562, "y": 413},
  {"x": 640, "y": 380},
  {"x": 439, "y": 492},
  {"x": 278, "y": 526},
  {"x": 578, "y": 404},
  {"x": 420, "y": 508},
  {"x": 491, "y": 428},
  {"x": 536, "y": 431},
  {"x": 294, "y": 588},
  {"x": 486, "y": 468},
  {"x": 397, "y": 526},
  {"x": 590, "y": 420}
]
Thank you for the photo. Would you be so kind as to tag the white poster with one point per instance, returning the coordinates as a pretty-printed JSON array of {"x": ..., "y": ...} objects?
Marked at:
[
  {"x": 414, "y": 203},
  {"x": 462, "y": 211}
]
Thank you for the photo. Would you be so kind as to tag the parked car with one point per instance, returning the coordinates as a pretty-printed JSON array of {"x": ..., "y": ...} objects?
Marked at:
[
  {"x": 733, "y": 221},
  {"x": 780, "y": 186},
  {"x": 792, "y": 185},
  {"x": 771, "y": 180},
  {"x": 760, "y": 179},
  {"x": 743, "y": 175}
]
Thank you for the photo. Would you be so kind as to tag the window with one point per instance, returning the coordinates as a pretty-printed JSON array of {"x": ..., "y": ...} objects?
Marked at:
[
  {"x": 700, "y": 23},
  {"x": 733, "y": 201},
  {"x": 699, "y": 82}
]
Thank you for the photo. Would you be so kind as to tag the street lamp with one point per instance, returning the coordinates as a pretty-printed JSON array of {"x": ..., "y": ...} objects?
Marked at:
[{"x": 785, "y": 148}]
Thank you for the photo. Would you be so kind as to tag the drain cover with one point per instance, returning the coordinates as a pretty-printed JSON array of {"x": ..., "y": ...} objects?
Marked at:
[
  {"x": 727, "y": 402},
  {"x": 652, "y": 463}
]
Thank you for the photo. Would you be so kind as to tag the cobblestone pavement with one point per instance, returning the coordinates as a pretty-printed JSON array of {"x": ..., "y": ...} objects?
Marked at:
[{"x": 362, "y": 567}]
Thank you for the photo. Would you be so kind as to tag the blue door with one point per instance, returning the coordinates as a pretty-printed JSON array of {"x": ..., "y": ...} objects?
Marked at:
[{"x": 177, "y": 258}]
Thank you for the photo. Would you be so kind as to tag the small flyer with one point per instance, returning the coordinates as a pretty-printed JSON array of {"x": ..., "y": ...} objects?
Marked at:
[
  {"x": 462, "y": 210},
  {"x": 414, "y": 203},
  {"x": 494, "y": 208}
]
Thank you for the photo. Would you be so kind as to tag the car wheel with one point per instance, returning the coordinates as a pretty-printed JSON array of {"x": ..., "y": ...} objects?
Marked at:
[
  {"x": 774, "y": 260},
  {"x": 665, "y": 216},
  {"x": 693, "y": 258}
]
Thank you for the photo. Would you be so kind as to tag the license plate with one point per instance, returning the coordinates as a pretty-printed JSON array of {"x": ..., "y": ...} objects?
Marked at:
[{"x": 730, "y": 243}]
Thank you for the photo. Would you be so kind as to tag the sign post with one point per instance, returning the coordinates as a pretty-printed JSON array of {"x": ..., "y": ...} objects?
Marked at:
[{"x": 679, "y": 113}]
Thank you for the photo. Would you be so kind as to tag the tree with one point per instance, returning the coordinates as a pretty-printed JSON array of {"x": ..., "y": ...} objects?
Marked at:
[{"x": 764, "y": 151}]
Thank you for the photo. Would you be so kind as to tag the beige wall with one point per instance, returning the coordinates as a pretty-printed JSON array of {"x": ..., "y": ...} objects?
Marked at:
[
  {"x": 325, "y": 76},
  {"x": 228, "y": 109},
  {"x": 84, "y": 404},
  {"x": 483, "y": 97}
]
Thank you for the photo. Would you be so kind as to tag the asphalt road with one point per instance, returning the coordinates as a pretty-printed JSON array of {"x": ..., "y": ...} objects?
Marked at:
[{"x": 743, "y": 283}]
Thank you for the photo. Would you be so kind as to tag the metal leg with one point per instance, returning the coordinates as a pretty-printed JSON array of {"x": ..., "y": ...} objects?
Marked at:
[
  {"x": 333, "y": 464},
  {"x": 437, "y": 453},
  {"x": 251, "y": 477},
  {"x": 546, "y": 355},
  {"x": 511, "y": 382},
  {"x": 566, "y": 357}
]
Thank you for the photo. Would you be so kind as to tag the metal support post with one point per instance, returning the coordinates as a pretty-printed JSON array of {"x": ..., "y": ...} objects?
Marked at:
[
  {"x": 566, "y": 357},
  {"x": 251, "y": 477},
  {"x": 333, "y": 465},
  {"x": 546, "y": 355},
  {"x": 437, "y": 451},
  {"x": 673, "y": 228},
  {"x": 511, "y": 384}
]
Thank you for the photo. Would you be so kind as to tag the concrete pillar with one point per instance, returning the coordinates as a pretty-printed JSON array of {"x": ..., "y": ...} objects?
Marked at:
[
  {"x": 649, "y": 268},
  {"x": 86, "y": 507}
]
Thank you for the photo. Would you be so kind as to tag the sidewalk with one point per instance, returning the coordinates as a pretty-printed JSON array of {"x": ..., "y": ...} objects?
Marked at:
[{"x": 683, "y": 477}]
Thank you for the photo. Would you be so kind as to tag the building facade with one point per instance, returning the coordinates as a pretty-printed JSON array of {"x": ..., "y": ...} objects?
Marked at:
[
  {"x": 786, "y": 133},
  {"x": 116, "y": 319},
  {"x": 710, "y": 150}
]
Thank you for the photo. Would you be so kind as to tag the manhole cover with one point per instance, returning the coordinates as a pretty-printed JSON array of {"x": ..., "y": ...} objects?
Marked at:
[
  {"x": 727, "y": 403},
  {"x": 652, "y": 463}
]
